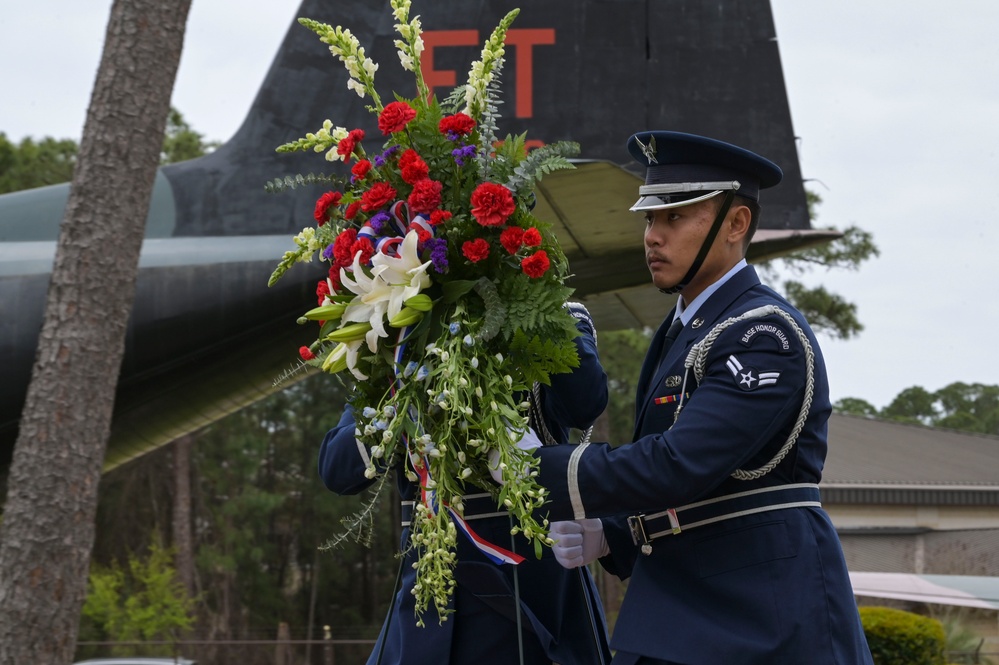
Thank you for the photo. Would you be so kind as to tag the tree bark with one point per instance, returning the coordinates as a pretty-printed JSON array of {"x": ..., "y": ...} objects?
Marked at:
[
  {"x": 48, "y": 527},
  {"x": 183, "y": 540}
]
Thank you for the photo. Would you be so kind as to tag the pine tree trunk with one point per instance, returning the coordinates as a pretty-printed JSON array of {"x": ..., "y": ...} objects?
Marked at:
[
  {"x": 183, "y": 541},
  {"x": 48, "y": 525}
]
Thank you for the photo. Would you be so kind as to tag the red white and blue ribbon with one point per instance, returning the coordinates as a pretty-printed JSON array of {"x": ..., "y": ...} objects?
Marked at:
[
  {"x": 402, "y": 222},
  {"x": 428, "y": 496}
]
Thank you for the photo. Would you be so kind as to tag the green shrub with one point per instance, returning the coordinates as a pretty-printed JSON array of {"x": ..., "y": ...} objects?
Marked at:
[
  {"x": 902, "y": 638},
  {"x": 143, "y": 601}
]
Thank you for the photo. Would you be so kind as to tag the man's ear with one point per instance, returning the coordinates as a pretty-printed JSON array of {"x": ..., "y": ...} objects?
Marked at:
[{"x": 740, "y": 217}]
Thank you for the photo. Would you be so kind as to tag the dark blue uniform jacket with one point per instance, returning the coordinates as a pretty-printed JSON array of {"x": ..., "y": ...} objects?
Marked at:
[
  {"x": 769, "y": 587},
  {"x": 557, "y": 604}
]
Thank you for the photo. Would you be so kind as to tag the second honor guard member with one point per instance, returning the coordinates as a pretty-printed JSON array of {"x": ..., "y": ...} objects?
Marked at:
[
  {"x": 561, "y": 616},
  {"x": 713, "y": 510}
]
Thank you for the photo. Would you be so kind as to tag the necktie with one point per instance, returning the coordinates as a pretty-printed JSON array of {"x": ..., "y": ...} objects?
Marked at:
[{"x": 671, "y": 335}]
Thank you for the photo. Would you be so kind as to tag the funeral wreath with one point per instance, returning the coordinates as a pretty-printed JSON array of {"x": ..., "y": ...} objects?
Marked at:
[{"x": 444, "y": 300}]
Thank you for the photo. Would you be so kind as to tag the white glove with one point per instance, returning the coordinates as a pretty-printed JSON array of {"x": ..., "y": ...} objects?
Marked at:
[
  {"x": 578, "y": 542},
  {"x": 528, "y": 442}
]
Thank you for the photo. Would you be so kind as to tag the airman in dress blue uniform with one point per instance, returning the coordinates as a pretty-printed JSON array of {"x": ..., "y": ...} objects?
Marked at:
[
  {"x": 713, "y": 510},
  {"x": 561, "y": 615}
]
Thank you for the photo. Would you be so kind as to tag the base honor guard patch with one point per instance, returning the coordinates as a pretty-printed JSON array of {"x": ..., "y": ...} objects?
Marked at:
[
  {"x": 770, "y": 330},
  {"x": 749, "y": 378}
]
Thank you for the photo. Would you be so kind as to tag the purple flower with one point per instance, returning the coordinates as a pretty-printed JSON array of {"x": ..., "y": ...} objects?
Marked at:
[
  {"x": 438, "y": 253},
  {"x": 462, "y": 153},
  {"x": 377, "y": 222},
  {"x": 328, "y": 252},
  {"x": 380, "y": 160},
  {"x": 452, "y": 135}
]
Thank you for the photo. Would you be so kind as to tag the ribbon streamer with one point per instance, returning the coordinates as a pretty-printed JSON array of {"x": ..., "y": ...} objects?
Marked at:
[
  {"x": 421, "y": 465},
  {"x": 402, "y": 223}
]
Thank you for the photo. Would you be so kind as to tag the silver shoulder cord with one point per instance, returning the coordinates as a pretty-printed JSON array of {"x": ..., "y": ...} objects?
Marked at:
[
  {"x": 537, "y": 420},
  {"x": 536, "y": 414},
  {"x": 697, "y": 359}
]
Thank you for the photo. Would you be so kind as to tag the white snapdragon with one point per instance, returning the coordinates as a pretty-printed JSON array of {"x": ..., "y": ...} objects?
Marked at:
[
  {"x": 307, "y": 242},
  {"x": 411, "y": 45},
  {"x": 356, "y": 87},
  {"x": 344, "y": 45},
  {"x": 400, "y": 10},
  {"x": 330, "y": 137},
  {"x": 480, "y": 75}
]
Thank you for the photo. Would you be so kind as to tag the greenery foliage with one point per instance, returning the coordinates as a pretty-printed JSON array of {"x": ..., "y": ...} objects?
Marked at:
[
  {"x": 961, "y": 639},
  {"x": 622, "y": 353},
  {"x": 50, "y": 161},
  {"x": 139, "y": 601},
  {"x": 31, "y": 163},
  {"x": 968, "y": 407},
  {"x": 827, "y": 312},
  {"x": 181, "y": 142},
  {"x": 897, "y": 637},
  {"x": 262, "y": 520}
]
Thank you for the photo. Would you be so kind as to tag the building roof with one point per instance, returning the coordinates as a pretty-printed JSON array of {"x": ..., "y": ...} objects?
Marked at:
[{"x": 881, "y": 461}]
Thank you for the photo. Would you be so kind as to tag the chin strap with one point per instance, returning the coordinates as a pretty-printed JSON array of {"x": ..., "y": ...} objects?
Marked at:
[{"x": 705, "y": 246}]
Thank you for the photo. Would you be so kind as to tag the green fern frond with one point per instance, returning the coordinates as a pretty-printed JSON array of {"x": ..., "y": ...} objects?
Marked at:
[
  {"x": 539, "y": 357},
  {"x": 454, "y": 102},
  {"x": 539, "y": 163},
  {"x": 535, "y": 307}
]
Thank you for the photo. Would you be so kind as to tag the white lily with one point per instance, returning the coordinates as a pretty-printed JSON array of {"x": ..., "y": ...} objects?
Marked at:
[
  {"x": 373, "y": 294},
  {"x": 351, "y": 350},
  {"x": 405, "y": 272},
  {"x": 393, "y": 280}
]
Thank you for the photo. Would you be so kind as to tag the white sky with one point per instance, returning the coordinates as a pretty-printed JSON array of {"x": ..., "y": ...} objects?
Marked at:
[{"x": 896, "y": 103}]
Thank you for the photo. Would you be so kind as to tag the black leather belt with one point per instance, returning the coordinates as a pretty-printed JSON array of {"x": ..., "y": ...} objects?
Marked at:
[
  {"x": 475, "y": 507},
  {"x": 646, "y": 528}
]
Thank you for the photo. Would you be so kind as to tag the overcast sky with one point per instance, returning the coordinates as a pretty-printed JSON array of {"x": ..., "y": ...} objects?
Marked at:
[{"x": 896, "y": 103}]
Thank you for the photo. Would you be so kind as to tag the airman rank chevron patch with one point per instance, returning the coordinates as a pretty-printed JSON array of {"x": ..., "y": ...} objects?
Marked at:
[{"x": 749, "y": 378}]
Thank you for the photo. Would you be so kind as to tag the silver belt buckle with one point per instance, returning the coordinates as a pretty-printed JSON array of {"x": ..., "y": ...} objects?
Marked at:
[{"x": 637, "y": 525}]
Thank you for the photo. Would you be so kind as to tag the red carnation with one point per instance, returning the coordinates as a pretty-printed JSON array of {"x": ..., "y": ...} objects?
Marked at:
[
  {"x": 356, "y": 135},
  {"x": 492, "y": 204},
  {"x": 361, "y": 169},
  {"x": 323, "y": 206},
  {"x": 412, "y": 168},
  {"x": 426, "y": 196},
  {"x": 439, "y": 217},
  {"x": 423, "y": 234},
  {"x": 322, "y": 290},
  {"x": 475, "y": 250},
  {"x": 394, "y": 117},
  {"x": 367, "y": 250},
  {"x": 532, "y": 237},
  {"x": 512, "y": 238},
  {"x": 459, "y": 123},
  {"x": 345, "y": 148},
  {"x": 536, "y": 264},
  {"x": 379, "y": 195},
  {"x": 341, "y": 247},
  {"x": 351, "y": 211},
  {"x": 306, "y": 353}
]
